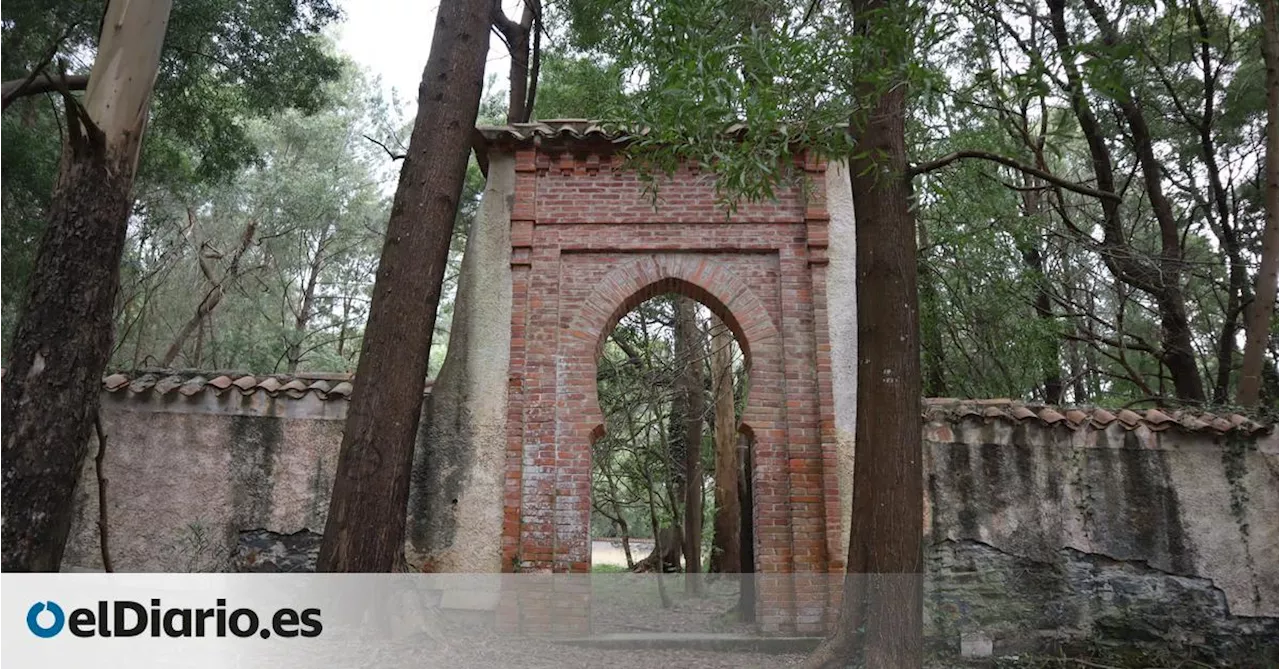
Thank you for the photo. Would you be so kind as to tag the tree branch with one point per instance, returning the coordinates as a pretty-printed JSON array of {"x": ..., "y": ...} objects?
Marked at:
[
  {"x": 394, "y": 156},
  {"x": 43, "y": 83},
  {"x": 12, "y": 90},
  {"x": 536, "y": 59},
  {"x": 102, "y": 494},
  {"x": 944, "y": 161}
]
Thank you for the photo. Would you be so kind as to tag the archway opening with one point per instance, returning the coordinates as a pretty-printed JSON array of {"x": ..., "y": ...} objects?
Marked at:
[{"x": 671, "y": 466}]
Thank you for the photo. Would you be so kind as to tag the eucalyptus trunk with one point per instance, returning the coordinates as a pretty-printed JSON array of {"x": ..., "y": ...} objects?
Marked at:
[
  {"x": 63, "y": 340},
  {"x": 689, "y": 356}
]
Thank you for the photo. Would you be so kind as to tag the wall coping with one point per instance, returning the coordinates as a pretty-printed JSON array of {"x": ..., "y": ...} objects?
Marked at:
[{"x": 197, "y": 386}]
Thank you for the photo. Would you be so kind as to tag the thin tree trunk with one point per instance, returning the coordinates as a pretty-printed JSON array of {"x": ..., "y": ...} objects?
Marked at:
[
  {"x": 689, "y": 353},
  {"x": 1179, "y": 354},
  {"x": 199, "y": 352},
  {"x": 63, "y": 341},
  {"x": 342, "y": 329},
  {"x": 658, "y": 549},
  {"x": 520, "y": 96},
  {"x": 364, "y": 531},
  {"x": 747, "y": 588},
  {"x": 881, "y": 616},
  {"x": 726, "y": 541},
  {"x": 303, "y": 317},
  {"x": 934, "y": 354},
  {"x": 1033, "y": 206},
  {"x": 1258, "y": 329},
  {"x": 213, "y": 297},
  {"x": 104, "y": 528}
]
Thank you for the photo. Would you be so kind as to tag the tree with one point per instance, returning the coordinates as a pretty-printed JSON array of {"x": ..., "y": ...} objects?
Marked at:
[
  {"x": 364, "y": 531},
  {"x": 881, "y": 614},
  {"x": 726, "y": 548},
  {"x": 269, "y": 269},
  {"x": 63, "y": 340},
  {"x": 524, "y": 45},
  {"x": 1258, "y": 325},
  {"x": 690, "y": 354},
  {"x": 224, "y": 64}
]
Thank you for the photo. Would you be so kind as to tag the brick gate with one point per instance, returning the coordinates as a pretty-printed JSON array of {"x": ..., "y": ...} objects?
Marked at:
[{"x": 587, "y": 246}]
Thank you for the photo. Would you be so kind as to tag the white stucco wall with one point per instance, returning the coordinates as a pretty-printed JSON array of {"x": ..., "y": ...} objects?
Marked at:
[{"x": 842, "y": 325}]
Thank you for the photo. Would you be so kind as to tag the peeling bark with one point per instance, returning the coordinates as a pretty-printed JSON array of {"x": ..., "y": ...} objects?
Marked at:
[{"x": 53, "y": 381}]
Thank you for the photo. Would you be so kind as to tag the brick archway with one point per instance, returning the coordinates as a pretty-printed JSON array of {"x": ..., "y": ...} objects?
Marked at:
[
  {"x": 588, "y": 244},
  {"x": 714, "y": 286}
]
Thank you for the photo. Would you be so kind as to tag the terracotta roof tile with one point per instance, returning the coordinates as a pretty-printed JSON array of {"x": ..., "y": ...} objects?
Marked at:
[
  {"x": 1157, "y": 420},
  {"x": 1128, "y": 418},
  {"x": 245, "y": 383},
  {"x": 295, "y": 388},
  {"x": 168, "y": 383},
  {"x": 341, "y": 390},
  {"x": 142, "y": 383},
  {"x": 327, "y": 386},
  {"x": 270, "y": 384},
  {"x": 1022, "y": 413},
  {"x": 944, "y": 409},
  {"x": 115, "y": 382},
  {"x": 196, "y": 384},
  {"x": 1050, "y": 417},
  {"x": 221, "y": 382}
]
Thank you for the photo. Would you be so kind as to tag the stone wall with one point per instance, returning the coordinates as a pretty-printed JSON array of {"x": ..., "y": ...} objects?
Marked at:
[
  {"x": 1038, "y": 533},
  {"x": 1047, "y": 534},
  {"x": 185, "y": 475}
]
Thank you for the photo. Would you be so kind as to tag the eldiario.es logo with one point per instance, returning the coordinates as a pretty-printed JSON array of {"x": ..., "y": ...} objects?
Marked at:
[{"x": 124, "y": 618}]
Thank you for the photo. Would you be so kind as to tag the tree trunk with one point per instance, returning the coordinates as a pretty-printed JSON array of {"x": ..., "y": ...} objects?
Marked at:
[
  {"x": 1033, "y": 206},
  {"x": 523, "y": 73},
  {"x": 690, "y": 354},
  {"x": 726, "y": 543},
  {"x": 54, "y": 377},
  {"x": 1161, "y": 279},
  {"x": 303, "y": 317},
  {"x": 216, "y": 291},
  {"x": 935, "y": 384},
  {"x": 881, "y": 616},
  {"x": 365, "y": 527},
  {"x": 342, "y": 329},
  {"x": 1179, "y": 354},
  {"x": 1258, "y": 328},
  {"x": 747, "y": 543}
]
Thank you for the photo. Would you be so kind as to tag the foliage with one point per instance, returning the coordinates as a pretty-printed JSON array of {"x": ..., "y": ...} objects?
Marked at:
[
  {"x": 638, "y": 463},
  {"x": 313, "y": 208},
  {"x": 1022, "y": 294},
  {"x": 224, "y": 64}
]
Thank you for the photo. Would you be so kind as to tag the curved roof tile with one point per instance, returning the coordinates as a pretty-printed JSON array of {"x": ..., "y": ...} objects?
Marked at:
[
  {"x": 943, "y": 409},
  {"x": 328, "y": 386}
]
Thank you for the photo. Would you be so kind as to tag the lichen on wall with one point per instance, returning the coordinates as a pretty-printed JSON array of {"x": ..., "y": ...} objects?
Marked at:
[
  {"x": 184, "y": 478},
  {"x": 1037, "y": 534},
  {"x": 1042, "y": 533}
]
